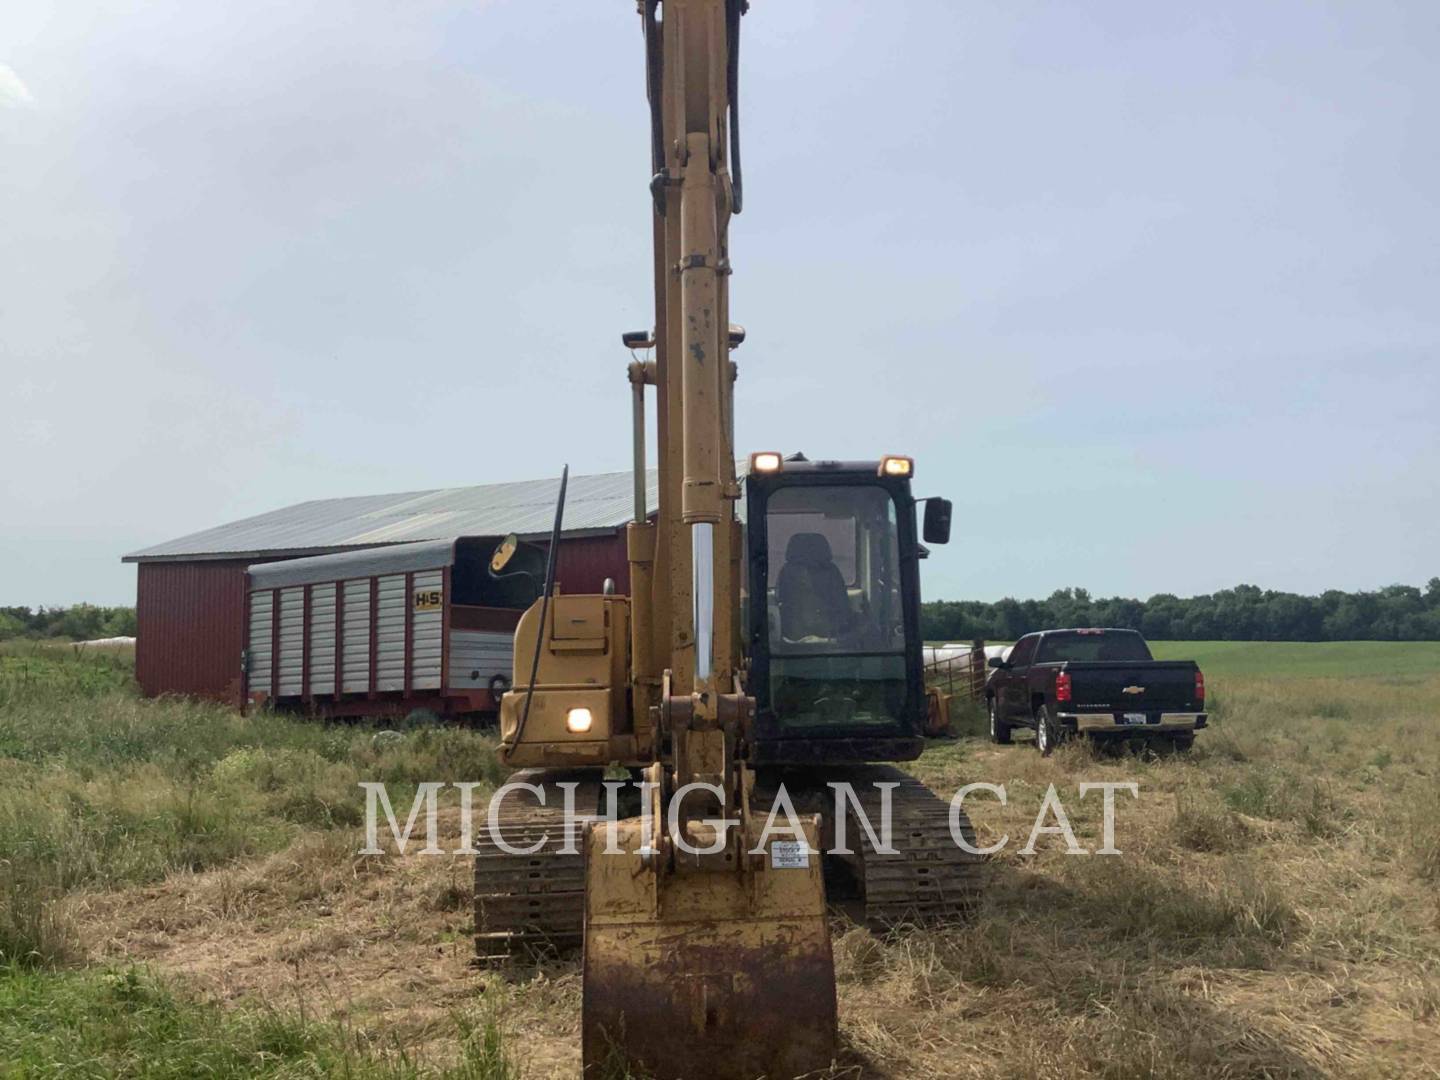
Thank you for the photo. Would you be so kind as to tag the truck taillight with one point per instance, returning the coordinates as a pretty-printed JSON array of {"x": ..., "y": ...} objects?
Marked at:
[
  {"x": 1062, "y": 686},
  {"x": 1199, "y": 688}
]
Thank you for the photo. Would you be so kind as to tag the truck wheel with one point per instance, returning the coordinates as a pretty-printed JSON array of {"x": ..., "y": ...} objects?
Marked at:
[
  {"x": 1047, "y": 734},
  {"x": 1182, "y": 742},
  {"x": 999, "y": 730}
]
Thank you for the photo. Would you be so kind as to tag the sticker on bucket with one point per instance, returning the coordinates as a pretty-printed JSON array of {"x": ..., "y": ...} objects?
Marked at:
[{"x": 789, "y": 855}]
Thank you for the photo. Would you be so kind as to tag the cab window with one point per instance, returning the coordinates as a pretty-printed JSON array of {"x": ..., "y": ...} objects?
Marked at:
[
  {"x": 834, "y": 605},
  {"x": 1123, "y": 646},
  {"x": 1024, "y": 651}
]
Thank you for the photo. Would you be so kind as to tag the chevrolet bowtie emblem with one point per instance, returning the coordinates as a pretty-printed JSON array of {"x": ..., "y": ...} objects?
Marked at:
[{"x": 1133, "y": 690}]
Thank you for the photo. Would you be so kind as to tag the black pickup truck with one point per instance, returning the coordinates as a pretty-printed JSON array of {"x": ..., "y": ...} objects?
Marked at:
[{"x": 1099, "y": 683}]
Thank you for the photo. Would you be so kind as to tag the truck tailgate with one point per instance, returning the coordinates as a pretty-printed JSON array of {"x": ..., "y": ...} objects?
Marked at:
[{"x": 1133, "y": 686}]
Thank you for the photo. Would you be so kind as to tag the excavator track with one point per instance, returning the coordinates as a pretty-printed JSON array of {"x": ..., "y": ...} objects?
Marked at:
[
  {"x": 529, "y": 905},
  {"x": 928, "y": 879},
  {"x": 533, "y": 904}
]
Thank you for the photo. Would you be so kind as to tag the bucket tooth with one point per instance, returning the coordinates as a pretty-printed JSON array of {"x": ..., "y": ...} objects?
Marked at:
[{"x": 716, "y": 974}]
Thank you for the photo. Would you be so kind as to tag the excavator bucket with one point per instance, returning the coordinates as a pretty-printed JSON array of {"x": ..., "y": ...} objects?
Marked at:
[{"x": 705, "y": 974}]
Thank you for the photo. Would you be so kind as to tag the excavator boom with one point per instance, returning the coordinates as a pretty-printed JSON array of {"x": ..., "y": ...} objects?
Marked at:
[{"x": 707, "y": 948}]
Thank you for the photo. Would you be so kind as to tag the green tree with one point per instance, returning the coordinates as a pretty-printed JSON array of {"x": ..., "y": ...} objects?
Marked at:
[{"x": 1244, "y": 613}]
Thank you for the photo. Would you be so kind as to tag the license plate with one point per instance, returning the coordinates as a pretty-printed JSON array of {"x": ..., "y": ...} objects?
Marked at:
[{"x": 1134, "y": 718}]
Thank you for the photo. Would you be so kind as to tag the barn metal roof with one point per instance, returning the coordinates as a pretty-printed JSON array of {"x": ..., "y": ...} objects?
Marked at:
[{"x": 598, "y": 503}]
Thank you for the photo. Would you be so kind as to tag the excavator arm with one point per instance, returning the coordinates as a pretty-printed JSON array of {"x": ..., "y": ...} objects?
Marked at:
[{"x": 707, "y": 949}]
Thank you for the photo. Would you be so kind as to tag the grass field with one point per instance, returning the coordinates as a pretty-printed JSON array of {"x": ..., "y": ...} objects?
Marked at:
[
  {"x": 1278, "y": 659},
  {"x": 180, "y": 896}
]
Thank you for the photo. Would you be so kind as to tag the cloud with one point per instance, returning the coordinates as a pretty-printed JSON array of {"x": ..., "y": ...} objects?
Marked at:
[{"x": 13, "y": 91}]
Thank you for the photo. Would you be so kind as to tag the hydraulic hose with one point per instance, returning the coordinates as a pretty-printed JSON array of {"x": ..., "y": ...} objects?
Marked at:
[
  {"x": 733, "y": 10},
  {"x": 551, "y": 556},
  {"x": 653, "y": 85}
]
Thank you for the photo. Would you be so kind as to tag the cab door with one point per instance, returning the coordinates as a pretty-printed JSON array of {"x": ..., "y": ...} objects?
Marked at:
[{"x": 1014, "y": 693}]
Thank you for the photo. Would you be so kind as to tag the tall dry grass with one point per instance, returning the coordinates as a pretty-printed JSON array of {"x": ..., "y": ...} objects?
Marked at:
[
  {"x": 1274, "y": 911},
  {"x": 100, "y": 788}
]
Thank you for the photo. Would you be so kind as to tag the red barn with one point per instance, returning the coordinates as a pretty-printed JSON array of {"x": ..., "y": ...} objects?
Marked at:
[{"x": 190, "y": 595}]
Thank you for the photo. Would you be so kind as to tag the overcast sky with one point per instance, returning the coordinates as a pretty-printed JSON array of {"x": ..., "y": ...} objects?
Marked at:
[{"x": 1152, "y": 290}]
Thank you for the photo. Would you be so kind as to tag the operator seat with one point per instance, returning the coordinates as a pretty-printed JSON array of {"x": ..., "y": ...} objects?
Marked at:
[{"x": 811, "y": 590}]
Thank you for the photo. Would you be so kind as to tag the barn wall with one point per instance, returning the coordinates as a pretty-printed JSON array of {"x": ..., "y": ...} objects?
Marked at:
[
  {"x": 190, "y": 620},
  {"x": 586, "y": 561}
]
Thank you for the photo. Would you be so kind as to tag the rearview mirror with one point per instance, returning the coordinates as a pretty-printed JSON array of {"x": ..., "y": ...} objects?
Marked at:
[
  {"x": 937, "y": 521},
  {"x": 996, "y": 662},
  {"x": 504, "y": 552}
]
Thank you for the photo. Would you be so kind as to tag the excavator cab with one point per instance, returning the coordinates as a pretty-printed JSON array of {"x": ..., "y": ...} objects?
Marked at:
[{"x": 831, "y": 609}]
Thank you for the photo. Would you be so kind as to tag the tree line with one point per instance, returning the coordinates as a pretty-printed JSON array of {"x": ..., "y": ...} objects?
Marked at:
[
  {"x": 80, "y": 622},
  {"x": 1244, "y": 613}
]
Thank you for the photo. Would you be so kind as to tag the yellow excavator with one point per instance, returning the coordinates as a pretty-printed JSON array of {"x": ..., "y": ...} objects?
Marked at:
[{"x": 752, "y": 669}]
